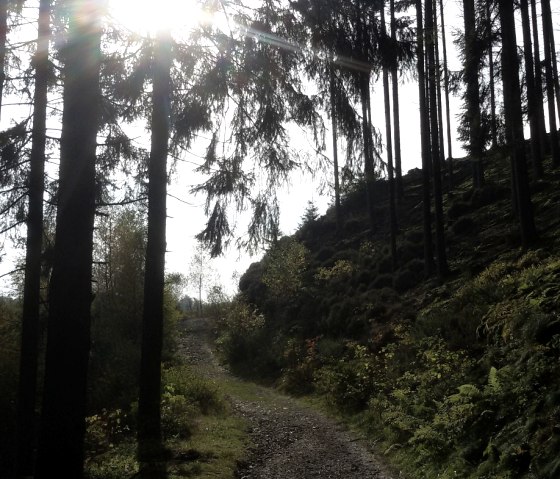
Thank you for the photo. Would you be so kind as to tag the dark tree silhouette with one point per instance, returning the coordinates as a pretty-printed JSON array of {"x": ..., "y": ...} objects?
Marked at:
[
  {"x": 393, "y": 227},
  {"x": 27, "y": 387},
  {"x": 536, "y": 154},
  {"x": 549, "y": 80},
  {"x": 538, "y": 79},
  {"x": 472, "y": 96},
  {"x": 425, "y": 139},
  {"x": 61, "y": 442},
  {"x": 396, "y": 109},
  {"x": 514, "y": 125},
  {"x": 149, "y": 400}
]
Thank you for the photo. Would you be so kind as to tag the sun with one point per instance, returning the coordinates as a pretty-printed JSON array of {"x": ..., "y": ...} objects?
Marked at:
[{"x": 146, "y": 17}]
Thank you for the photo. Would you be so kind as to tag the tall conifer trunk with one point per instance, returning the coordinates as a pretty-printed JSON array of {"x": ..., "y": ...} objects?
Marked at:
[
  {"x": 61, "y": 441},
  {"x": 493, "y": 125},
  {"x": 425, "y": 143},
  {"x": 3, "y": 46},
  {"x": 536, "y": 153},
  {"x": 332, "y": 91},
  {"x": 447, "y": 109},
  {"x": 538, "y": 79},
  {"x": 149, "y": 401},
  {"x": 473, "y": 93},
  {"x": 549, "y": 76},
  {"x": 396, "y": 110},
  {"x": 27, "y": 388},
  {"x": 514, "y": 124},
  {"x": 441, "y": 255},
  {"x": 393, "y": 227}
]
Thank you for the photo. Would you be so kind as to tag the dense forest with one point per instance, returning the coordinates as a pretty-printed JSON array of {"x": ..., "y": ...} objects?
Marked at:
[{"x": 422, "y": 307}]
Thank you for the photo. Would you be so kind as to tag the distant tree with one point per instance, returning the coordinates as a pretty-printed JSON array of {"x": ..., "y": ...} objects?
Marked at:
[
  {"x": 200, "y": 274},
  {"x": 61, "y": 443}
]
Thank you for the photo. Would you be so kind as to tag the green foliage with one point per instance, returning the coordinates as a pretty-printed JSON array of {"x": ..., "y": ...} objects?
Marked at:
[
  {"x": 242, "y": 338},
  {"x": 10, "y": 319},
  {"x": 348, "y": 383},
  {"x": 284, "y": 268}
]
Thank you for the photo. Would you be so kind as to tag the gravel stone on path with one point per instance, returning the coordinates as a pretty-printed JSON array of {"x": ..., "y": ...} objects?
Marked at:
[{"x": 289, "y": 440}]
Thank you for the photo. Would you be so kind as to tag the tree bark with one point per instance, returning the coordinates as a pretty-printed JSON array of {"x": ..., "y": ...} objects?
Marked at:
[
  {"x": 149, "y": 400},
  {"x": 61, "y": 441},
  {"x": 447, "y": 109},
  {"x": 396, "y": 111},
  {"x": 441, "y": 255},
  {"x": 514, "y": 125},
  {"x": 549, "y": 76},
  {"x": 3, "y": 46},
  {"x": 493, "y": 126},
  {"x": 27, "y": 388},
  {"x": 338, "y": 211},
  {"x": 538, "y": 79},
  {"x": 473, "y": 93},
  {"x": 536, "y": 153},
  {"x": 425, "y": 140},
  {"x": 393, "y": 227},
  {"x": 550, "y": 29}
]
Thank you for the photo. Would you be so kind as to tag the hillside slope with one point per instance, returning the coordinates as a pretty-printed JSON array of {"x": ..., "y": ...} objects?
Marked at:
[{"x": 455, "y": 378}]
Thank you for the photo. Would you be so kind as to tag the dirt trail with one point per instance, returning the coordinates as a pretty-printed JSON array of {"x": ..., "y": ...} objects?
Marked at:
[{"x": 290, "y": 441}]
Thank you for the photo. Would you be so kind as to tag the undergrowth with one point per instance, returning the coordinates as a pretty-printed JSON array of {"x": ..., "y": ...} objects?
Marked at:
[{"x": 450, "y": 380}]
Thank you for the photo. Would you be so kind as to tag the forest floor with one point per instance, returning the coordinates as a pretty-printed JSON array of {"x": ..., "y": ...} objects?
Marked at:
[{"x": 287, "y": 439}]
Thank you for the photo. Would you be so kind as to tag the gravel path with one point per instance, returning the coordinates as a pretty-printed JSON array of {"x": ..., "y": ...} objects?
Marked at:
[{"x": 289, "y": 440}]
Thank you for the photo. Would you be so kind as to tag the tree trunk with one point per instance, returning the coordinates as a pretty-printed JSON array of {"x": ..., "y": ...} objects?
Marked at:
[
  {"x": 393, "y": 227},
  {"x": 425, "y": 138},
  {"x": 493, "y": 126},
  {"x": 27, "y": 389},
  {"x": 549, "y": 75},
  {"x": 447, "y": 109},
  {"x": 536, "y": 153},
  {"x": 441, "y": 256},
  {"x": 396, "y": 110},
  {"x": 437, "y": 68},
  {"x": 473, "y": 94},
  {"x": 369, "y": 169},
  {"x": 3, "y": 46},
  {"x": 149, "y": 400},
  {"x": 514, "y": 124},
  {"x": 338, "y": 211},
  {"x": 61, "y": 441},
  {"x": 550, "y": 29},
  {"x": 538, "y": 79}
]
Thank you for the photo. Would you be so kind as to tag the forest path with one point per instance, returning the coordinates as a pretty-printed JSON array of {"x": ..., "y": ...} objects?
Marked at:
[{"x": 288, "y": 439}]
